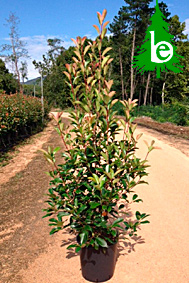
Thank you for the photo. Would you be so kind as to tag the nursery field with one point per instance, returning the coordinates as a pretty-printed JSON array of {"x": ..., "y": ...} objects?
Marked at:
[{"x": 159, "y": 254}]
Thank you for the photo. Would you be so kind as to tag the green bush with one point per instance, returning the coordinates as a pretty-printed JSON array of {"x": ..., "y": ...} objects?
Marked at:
[
  {"x": 20, "y": 115},
  {"x": 175, "y": 112}
]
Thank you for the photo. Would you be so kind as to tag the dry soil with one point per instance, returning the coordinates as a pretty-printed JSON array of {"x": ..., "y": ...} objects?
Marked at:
[{"x": 160, "y": 254}]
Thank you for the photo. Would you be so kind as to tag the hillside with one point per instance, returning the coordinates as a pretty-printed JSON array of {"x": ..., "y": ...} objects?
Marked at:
[{"x": 35, "y": 81}]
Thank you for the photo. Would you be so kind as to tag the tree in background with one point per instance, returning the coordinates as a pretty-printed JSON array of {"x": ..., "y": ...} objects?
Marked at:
[
  {"x": 120, "y": 46},
  {"x": 53, "y": 65},
  {"x": 132, "y": 20},
  {"x": 24, "y": 71},
  {"x": 176, "y": 84},
  {"x": 15, "y": 50},
  {"x": 55, "y": 50},
  {"x": 146, "y": 87},
  {"x": 8, "y": 83}
]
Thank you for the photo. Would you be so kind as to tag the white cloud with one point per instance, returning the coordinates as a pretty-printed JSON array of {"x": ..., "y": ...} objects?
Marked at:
[
  {"x": 187, "y": 26},
  {"x": 37, "y": 47},
  {"x": 89, "y": 35}
]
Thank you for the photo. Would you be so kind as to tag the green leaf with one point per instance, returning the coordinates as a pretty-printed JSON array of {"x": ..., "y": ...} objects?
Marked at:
[
  {"x": 54, "y": 230},
  {"x": 138, "y": 200},
  {"x": 114, "y": 233},
  {"x": 83, "y": 237},
  {"x": 101, "y": 242},
  {"x": 135, "y": 197},
  {"x": 104, "y": 31},
  {"x": 127, "y": 226},
  {"x": 124, "y": 196},
  {"x": 53, "y": 220},
  {"x": 58, "y": 131},
  {"x": 82, "y": 208},
  {"x": 138, "y": 215},
  {"x": 94, "y": 204},
  {"x": 144, "y": 222},
  {"x": 76, "y": 202},
  {"x": 105, "y": 156},
  {"x": 89, "y": 136},
  {"x": 56, "y": 149},
  {"x": 124, "y": 183},
  {"x": 63, "y": 213},
  {"x": 121, "y": 206},
  {"x": 47, "y": 215},
  {"x": 88, "y": 228},
  {"x": 77, "y": 249},
  {"x": 118, "y": 220},
  {"x": 71, "y": 246}
]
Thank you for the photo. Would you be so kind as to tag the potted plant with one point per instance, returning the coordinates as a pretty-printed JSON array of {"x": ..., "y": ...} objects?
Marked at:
[{"x": 95, "y": 182}]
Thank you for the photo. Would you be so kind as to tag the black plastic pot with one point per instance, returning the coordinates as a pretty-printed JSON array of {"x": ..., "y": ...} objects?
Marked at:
[{"x": 98, "y": 265}]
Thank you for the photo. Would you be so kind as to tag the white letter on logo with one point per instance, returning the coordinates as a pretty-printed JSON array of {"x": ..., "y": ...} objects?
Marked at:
[{"x": 163, "y": 48}]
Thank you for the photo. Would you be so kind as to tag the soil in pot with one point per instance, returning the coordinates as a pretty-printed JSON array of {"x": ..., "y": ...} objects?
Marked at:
[{"x": 98, "y": 265}]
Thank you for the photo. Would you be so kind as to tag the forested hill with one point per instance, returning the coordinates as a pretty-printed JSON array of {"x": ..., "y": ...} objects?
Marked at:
[{"x": 33, "y": 81}]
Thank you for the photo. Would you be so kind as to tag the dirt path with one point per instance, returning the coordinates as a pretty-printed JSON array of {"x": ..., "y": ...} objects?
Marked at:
[{"x": 160, "y": 254}]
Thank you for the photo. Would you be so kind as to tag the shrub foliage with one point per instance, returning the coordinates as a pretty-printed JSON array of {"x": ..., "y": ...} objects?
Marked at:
[{"x": 20, "y": 115}]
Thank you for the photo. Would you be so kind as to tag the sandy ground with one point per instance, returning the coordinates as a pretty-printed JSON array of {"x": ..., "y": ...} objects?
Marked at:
[
  {"x": 159, "y": 254},
  {"x": 26, "y": 154}
]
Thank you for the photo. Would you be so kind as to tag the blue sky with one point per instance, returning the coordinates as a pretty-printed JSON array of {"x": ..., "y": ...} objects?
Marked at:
[{"x": 64, "y": 19}]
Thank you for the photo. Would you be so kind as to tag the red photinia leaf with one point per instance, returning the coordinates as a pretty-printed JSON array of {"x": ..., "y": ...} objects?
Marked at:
[
  {"x": 78, "y": 40},
  {"x": 74, "y": 41},
  {"x": 83, "y": 39},
  {"x": 67, "y": 74},
  {"x": 134, "y": 102},
  {"x": 110, "y": 60},
  {"x": 146, "y": 143},
  {"x": 56, "y": 116},
  {"x": 104, "y": 13},
  {"x": 114, "y": 101},
  {"x": 97, "y": 28},
  {"x": 68, "y": 67},
  {"x": 109, "y": 84},
  {"x": 111, "y": 93},
  {"x": 78, "y": 54},
  {"x": 106, "y": 50},
  {"x": 86, "y": 49},
  {"x": 75, "y": 59},
  {"x": 99, "y": 18},
  {"x": 105, "y": 24},
  {"x": 105, "y": 91},
  {"x": 139, "y": 136}
]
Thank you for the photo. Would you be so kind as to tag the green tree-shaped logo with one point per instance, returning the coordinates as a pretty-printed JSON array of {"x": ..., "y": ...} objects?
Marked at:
[{"x": 157, "y": 51}]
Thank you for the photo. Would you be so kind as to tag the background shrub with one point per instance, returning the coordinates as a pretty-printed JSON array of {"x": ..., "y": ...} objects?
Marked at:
[
  {"x": 20, "y": 116},
  {"x": 176, "y": 112}
]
